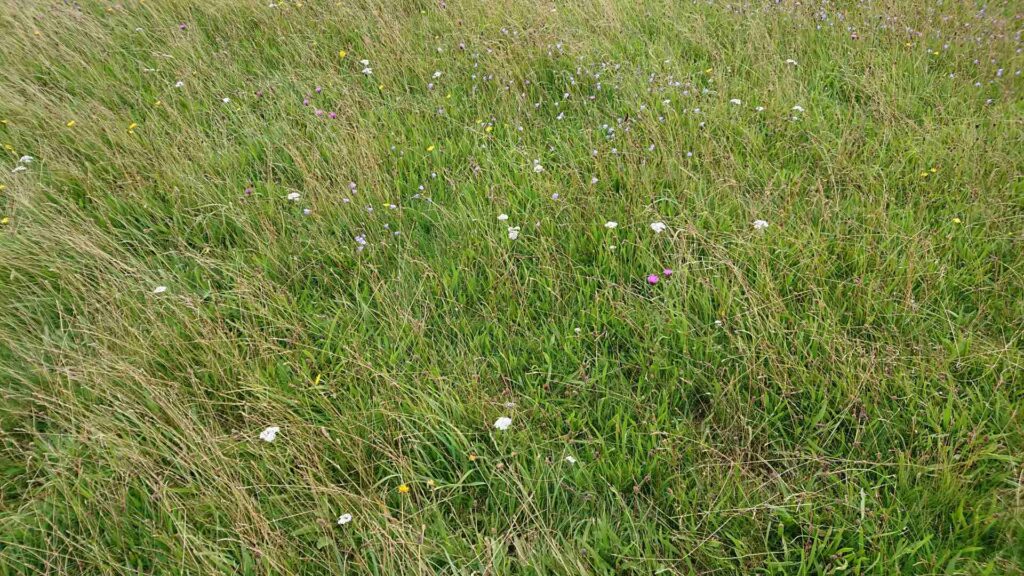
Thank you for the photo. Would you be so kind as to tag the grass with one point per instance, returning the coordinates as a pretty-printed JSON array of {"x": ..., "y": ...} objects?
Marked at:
[{"x": 840, "y": 393}]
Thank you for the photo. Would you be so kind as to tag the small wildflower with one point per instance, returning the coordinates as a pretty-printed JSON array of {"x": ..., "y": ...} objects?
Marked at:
[
  {"x": 503, "y": 423},
  {"x": 760, "y": 224},
  {"x": 225, "y": 100},
  {"x": 269, "y": 434},
  {"x": 293, "y": 196},
  {"x": 790, "y": 62},
  {"x": 502, "y": 217},
  {"x": 159, "y": 289},
  {"x": 666, "y": 272},
  {"x": 798, "y": 108},
  {"x": 430, "y": 148},
  {"x": 472, "y": 457},
  {"x": 653, "y": 279},
  {"x": 341, "y": 53},
  {"x": 513, "y": 232},
  {"x": 5, "y": 221},
  {"x": 570, "y": 459},
  {"x": 179, "y": 84},
  {"x": 71, "y": 124},
  {"x": 344, "y": 519},
  {"x": 736, "y": 101},
  {"x": 26, "y": 160},
  {"x": 658, "y": 227},
  {"x": 403, "y": 488},
  {"x": 611, "y": 225},
  {"x": 368, "y": 71},
  {"x": 957, "y": 220}
]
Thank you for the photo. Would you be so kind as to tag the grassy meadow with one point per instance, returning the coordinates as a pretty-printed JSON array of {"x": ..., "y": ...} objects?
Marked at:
[{"x": 511, "y": 287}]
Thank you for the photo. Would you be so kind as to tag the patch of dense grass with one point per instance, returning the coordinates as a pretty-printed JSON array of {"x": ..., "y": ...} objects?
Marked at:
[{"x": 839, "y": 392}]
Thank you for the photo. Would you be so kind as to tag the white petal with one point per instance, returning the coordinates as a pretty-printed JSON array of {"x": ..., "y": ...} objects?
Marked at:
[
  {"x": 344, "y": 519},
  {"x": 159, "y": 289},
  {"x": 269, "y": 434},
  {"x": 503, "y": 423}
]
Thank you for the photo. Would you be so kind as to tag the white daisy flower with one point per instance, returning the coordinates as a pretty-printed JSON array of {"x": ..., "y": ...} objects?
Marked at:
[
  {"x": 503, "y": 423},
  {"x": 179, "y": 84},
  {"x": 570, "y": 459},
  {"x": 293, "y": 196},
  {"x": 502, "y": 217},
  {"x": 760, "y": 224},
  {"x": 798, "y": 108},
  {"x": 790, "y": 62},
  {"x": 658, "y": 227},
  {"x": 159, "y": 289},
  {"x": 437, "y": 74},
  {"x": 364, "y": 62},
  {"x": 269, "y": 434},
  {"x": 26, "y": 160},
  {"x": 344, "y": 519},
  {"x": 513, "y": 232},
  {"x": 611, "y": 225},
  {"x": 226, "y": 100},
  {"x": 368, "y": 71},
  {"x": 736, "y": 101}
]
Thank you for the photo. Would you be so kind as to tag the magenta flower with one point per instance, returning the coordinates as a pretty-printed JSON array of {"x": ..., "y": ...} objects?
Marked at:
[
  {"x": 332, "y": 115},
  {"x": 319, "y": 89},
  {"x": 305, "y": 101},
  {"x": 319, "y": 112},
  {"x": 667, "y": 272},
  {"x": 653, "y": 279},
  {"x": 182, "y": 26}
]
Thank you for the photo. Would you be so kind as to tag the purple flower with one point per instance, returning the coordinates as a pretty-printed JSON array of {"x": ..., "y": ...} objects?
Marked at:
[
  {"x": 332, "y": 115},
  {"x": 319, "y": 89},
  {"x": 319, "y": 112},
  {"x": 667, "y": 272},
  {"x": 182, "y": 26},
  {"x": 248, "y": 191},
  {"x": 653, "y": 279},
  {"x": 305, "y": 101}
]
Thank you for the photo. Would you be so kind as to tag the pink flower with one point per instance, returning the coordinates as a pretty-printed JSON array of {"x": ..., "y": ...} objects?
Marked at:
[
  {"x": 653, "y": 279},
  {"x": 667, "y": 272},
  {"x": 332, "y": 115}
]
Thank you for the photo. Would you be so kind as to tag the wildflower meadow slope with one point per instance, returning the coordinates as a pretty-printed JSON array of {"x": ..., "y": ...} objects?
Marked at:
[{"x": 511, "y": 287}]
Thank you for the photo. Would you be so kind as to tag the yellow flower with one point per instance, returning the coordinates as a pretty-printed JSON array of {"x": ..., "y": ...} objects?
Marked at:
[
  {"x": 380, "y": 86},
  {"x": 431, "y": 483},
  {"x": 132, "y": 126},
  {"x": 472, "y": 457},
  {"x": 403, "y": 488},
  {"x": 71, "y": 124},
  {"x": 934, "y": 170},
  {"x": 956, "y": 220},
  {"x": 3, "y": 187},
  {"x": 488, "y": 129},
  {"x": 8, "y": 147},
  {"x": 157, "y": 103},
  {"x": 448, "y": 96},
  {"x": 708, "y": 71},
  {"x": 924, "y": 174},
  {"x": 5, "y": 220},
  {"x": 430, "y": 148},
  {"x": 341, "y": 53}
]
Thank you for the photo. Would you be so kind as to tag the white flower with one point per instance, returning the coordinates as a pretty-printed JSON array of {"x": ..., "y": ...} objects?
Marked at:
[
  {"x": 513, "y": 232},
  {"x": 502, "y": 217},
  {"x": 537, "y": 167},
  {"x": 437, "y": 74},
  {"x": 179, "y": 84},
  {"x": 18, "y": 169},
  {"x": 593, "y": 179},
  {"x": 760, "y": 224},
  {"x": 790, "y": 62},
  {"x": 611, "y": 225},
  {"x": 798, "y": 108},
  {"x": 368, "y": 71},
  {"x": 658, "y": 227},
  {"x": 759, "y": 109},
  {"x": 306, "y": 211},
  {"x": 570, "y": 459},
  {"x": 26, "y": 160},
  {"x": 293, "y": 196},
  {"x": 159, "y": 289},
  {"x": 736, "y": 101},
  {"x": 344, "y": 519},
  {"x": 503, "y": 423},
  {"x": 269, "y": 434},
  {"x": 226, "y": 100},
  {"x": 364, "y": 62}
]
